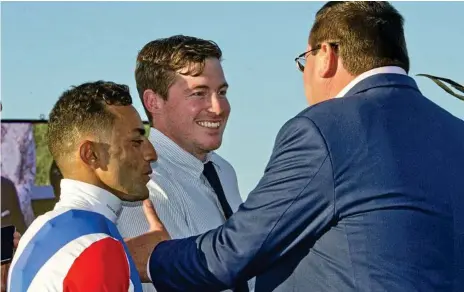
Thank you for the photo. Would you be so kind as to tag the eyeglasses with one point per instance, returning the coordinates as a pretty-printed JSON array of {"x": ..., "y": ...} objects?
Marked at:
[{"x": 301, "y": 59}]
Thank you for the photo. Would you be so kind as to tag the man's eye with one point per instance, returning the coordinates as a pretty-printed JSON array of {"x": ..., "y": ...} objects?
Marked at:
[
  {"x": 137, "y": 142},
  {"x": 223, "y": 92},
  {"x": 199, "y": 93}
]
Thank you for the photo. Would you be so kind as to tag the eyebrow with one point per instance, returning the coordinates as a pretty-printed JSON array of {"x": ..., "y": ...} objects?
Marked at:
[{"x": 225, "y": 84}]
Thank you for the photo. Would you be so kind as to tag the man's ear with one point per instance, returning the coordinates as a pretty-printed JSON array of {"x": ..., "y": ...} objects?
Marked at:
[
  {"x": 327, "y": 61},
  {"x": 89, "y": 154},
  {"x": 152, "y": 101}
]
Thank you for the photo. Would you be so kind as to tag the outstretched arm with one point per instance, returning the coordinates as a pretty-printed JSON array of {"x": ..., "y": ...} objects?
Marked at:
[{"x": 292, "y": 202}]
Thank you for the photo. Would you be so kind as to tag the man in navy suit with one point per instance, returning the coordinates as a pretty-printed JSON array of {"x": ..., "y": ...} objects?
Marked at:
[{"x": 364, "y": 190}]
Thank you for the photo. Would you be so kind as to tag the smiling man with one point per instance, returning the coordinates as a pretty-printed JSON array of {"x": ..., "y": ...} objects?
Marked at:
[{"x": 184, "y": 93}]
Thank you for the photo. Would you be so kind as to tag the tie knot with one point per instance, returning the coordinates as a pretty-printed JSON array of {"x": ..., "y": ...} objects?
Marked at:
[{"x": 208, "y": 167}]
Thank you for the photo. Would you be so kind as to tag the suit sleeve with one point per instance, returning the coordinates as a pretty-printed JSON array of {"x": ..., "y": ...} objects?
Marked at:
[
  {"x": 103, "y": 266},
  {"x": 293, "y": 202}
]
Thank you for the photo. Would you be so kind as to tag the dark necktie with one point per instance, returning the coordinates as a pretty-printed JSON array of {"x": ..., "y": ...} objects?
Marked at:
[{"x": 211, "y": 175}]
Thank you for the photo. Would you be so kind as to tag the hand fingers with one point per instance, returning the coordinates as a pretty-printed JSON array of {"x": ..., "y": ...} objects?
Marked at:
[
  {"x": 16, "y": 238},
  {"x": 153, "y": 220}
]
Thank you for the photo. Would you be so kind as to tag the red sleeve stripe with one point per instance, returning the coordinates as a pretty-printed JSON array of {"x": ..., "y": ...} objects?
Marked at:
[{"x": 102, "y": 266}]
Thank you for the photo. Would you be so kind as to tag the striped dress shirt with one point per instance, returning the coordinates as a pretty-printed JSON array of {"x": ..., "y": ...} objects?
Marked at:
[{"x": 182, "y": 196}]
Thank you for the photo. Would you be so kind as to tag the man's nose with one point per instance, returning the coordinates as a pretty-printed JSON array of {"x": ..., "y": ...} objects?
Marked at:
[
  {"x": 150, "y": 153},
  {"x": 215, "y": 106}
]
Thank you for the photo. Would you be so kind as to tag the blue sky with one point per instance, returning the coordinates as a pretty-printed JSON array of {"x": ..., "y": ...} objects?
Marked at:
[{"x": 47, "y": 47}]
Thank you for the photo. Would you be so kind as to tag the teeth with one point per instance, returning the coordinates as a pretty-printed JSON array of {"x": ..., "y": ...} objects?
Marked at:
[{"x": 212, "y": 125}]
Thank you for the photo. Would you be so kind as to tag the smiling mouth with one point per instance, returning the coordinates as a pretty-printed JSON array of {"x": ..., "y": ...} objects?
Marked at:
[{"x": 209, "y": 125}]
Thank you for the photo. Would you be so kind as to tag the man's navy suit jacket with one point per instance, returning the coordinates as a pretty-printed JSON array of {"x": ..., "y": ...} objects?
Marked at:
[{"x": 361, "y": 193}]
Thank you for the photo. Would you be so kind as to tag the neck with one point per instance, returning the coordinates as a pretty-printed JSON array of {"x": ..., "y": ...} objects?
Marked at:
[
  {"x": 197, "y": 153},
  {"x": 342, "y": 81},
  {"x": 201, "y": 157},
  {"x": 337, "y": 84},
  {"x": 91, "y": 179}
]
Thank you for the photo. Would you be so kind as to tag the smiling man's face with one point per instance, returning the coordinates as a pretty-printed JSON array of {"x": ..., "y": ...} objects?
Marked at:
[{"x": 195, "y": 113}]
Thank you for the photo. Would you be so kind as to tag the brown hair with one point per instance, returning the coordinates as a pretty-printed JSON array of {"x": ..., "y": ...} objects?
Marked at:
[
  {"x": 159, "y": 60},
  {"x": 369, "y": 34},
  {"x": 81, "y": 110}
]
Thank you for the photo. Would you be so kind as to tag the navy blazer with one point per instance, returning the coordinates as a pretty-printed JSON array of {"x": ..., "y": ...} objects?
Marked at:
[{"x": 361, "y": 193}]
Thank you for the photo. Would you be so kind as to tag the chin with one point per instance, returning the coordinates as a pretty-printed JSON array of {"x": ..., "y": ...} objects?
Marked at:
[
  {"x": 143, "y": 196},
  {"x": 211, "y": 146},
  {"x": 136, "y": 196}
]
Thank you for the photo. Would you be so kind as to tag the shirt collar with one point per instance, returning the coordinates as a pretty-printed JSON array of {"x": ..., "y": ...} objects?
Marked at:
[
  {"x": 75, "y": 194},
  {"x": 169, "y": 150},
  {"x": 380, "y": 70}
]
